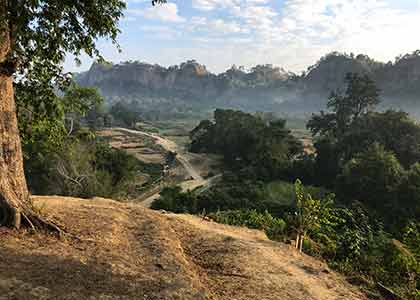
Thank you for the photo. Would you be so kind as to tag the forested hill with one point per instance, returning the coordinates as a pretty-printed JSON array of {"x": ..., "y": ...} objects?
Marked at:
[{"x": 190, "y": 86}]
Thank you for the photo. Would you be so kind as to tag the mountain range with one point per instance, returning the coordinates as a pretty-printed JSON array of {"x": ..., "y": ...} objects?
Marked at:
[{"x": 190, "y": 87}]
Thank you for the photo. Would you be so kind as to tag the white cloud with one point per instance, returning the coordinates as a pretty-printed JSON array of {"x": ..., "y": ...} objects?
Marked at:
[
  {"x": 257, "y": 1},
  {"x": 369, "y": 26},
  {"x": 161, "y": 32},
  {"x": 207, "y": 5},
  {"x": 166, "y": 13},
  {"x": 197, "y": 20},
  {"x": 304, "y": 30},
  {"x": 248, "y": 32},
  {"x": 222, "y": 26},
  {"x": 215, "y": 27}
]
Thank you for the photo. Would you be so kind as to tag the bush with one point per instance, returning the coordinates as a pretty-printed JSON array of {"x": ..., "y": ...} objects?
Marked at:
[
  {"x": 402, "y": 268},
  {"x": 174, "y": 200},
  {"x": 273, "y": 227},
  {"x": 85, "y": 168}
]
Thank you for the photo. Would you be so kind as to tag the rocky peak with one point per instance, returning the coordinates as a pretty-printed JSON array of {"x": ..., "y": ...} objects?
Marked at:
[
  {"x": 329, "y": 72},
  {"x": 192, "y": 67}
]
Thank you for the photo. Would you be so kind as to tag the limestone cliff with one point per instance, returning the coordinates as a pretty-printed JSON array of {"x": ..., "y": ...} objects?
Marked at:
[{"x": 263, "y": 87}]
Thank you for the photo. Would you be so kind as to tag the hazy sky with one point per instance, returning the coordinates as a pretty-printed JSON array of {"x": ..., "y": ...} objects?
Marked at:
[{"x": 289, "y": 33}]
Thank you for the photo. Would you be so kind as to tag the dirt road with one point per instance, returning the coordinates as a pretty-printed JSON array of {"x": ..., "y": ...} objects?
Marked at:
[{"x": 196, "y": 181}]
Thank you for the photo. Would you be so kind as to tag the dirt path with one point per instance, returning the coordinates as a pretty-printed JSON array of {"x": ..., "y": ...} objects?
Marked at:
[
  {"x": 126, "y": 252},
  {"x": 196, "y": 181},
  {"x": 168, "y": 145}
]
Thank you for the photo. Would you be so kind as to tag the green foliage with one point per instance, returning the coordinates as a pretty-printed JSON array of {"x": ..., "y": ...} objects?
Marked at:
[
  {"x": 304, "y": 167},
  {"x": 173, "y": 199},
  {"x": 395, "y": 130},
  {"x": 327, "y": 162},
  {"x": 360, "y": 98},
  {"x": 247, "y": 141},
  {"x": 362, "y": 154},
  {"x": 124, "y": 114},
  {"x": 335, "y": 130},
  {"x": 401, "y": 266},
  {"x": 43, "y": 33},
  {"x": 313, "y": 217},
  {"x": 116, "y": 162},
  {"x": 43, "y": 128},
  {"x": 409, "y": 193},
  {"x": 373, "y": 177},
  {"x": 81, "y": 99},
  {"x": 232, "y": 193},
  {"x": 306, "y": 208},
  {"x": 86, "y": 168},
  {"x": 411, "y": 238},
  {"x": 46, "y": 140},
  {"x": 273, "y": 227},
  {"x": 63, "y": 157}
]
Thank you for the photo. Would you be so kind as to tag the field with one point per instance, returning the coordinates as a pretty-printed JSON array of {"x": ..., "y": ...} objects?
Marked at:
[
  {"x": 142, "y": 147},
  {"x": 175, "y": 130}
]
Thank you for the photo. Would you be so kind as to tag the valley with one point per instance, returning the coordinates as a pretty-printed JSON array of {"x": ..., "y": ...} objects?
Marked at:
[
  {"x": 188, "y": 170},
  {"x": 159, "y": 172}
]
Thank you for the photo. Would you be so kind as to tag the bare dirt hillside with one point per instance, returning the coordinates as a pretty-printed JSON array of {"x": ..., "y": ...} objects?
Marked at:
[{"x": 126, "y": 251}]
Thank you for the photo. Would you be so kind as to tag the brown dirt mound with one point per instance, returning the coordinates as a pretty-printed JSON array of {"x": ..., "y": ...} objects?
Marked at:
[{"x": 125, "y": 251}]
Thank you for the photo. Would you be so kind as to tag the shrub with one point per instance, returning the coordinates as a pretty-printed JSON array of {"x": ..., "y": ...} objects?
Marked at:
[
  {"x": 273, "y": 227},
  {"x": 85, "y": 168},
  {"x": 174, "y": 200},
  {"x": 402, "y": 268}
]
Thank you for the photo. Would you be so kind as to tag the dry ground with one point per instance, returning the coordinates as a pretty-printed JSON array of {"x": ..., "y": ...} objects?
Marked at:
[
  {"x": 142, "y": 147},
  {"x": 125, "y": 251}
]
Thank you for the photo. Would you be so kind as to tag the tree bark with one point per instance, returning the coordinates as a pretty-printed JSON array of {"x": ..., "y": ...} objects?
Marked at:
[
  {"x": 15, "y": 205},
  {"x": 14, "y": 194}
]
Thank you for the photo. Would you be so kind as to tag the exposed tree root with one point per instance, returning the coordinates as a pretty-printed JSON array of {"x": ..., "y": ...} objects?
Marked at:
[
  {"x": 37, "y": 222},
  {"x": 28, "y": 218}
]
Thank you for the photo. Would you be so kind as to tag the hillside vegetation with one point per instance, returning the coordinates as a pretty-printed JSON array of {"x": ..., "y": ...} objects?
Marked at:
[{"x": 360, "y": 207}]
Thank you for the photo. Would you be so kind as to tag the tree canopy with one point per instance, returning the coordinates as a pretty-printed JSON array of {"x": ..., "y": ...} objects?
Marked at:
[
  {"x": 247, "y": 141},
  {"x": 360, "y": 98}
]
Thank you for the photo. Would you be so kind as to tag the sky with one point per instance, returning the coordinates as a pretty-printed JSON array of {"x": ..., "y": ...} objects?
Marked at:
[{"x": 292, "y": 34}]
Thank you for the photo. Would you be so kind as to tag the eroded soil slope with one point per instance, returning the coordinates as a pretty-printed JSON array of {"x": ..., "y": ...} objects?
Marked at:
[{"x": 125, "y": 251}]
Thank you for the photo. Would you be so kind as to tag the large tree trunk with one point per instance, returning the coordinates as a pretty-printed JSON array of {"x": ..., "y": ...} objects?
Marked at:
[
  {"x": 15, "y": 205},
  {"x": 14, "y": 196}
]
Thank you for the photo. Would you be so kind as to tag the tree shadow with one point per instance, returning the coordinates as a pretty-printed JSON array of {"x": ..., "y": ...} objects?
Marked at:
[{"x": 34, "y": 276}]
